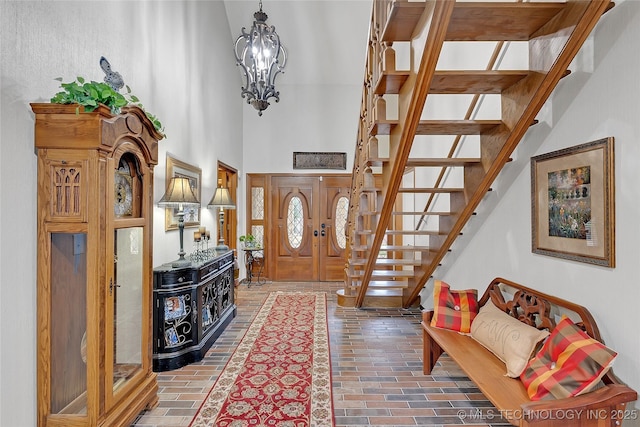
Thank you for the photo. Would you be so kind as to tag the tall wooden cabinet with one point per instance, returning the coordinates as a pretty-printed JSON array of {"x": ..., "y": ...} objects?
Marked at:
[{"x": 95, "y": 200}]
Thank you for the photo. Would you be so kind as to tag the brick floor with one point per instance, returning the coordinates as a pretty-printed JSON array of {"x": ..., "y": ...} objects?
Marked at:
[{"x": 376, "y": 357}]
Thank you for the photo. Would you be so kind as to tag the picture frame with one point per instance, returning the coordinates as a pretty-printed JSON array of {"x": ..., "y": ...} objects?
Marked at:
[
  {"x": 179, "y": 168},
  {"x": 573, "y": 203},
  {"x": 319, "y": 160}
]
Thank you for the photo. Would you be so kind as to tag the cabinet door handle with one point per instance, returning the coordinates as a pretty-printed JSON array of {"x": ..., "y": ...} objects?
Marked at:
[{"x": 315, "y": 233}]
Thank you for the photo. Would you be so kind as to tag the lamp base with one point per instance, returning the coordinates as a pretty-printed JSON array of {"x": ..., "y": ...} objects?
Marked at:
[
  {"x": 181, "y": 262},
  {"x": 222, "y": 247}
]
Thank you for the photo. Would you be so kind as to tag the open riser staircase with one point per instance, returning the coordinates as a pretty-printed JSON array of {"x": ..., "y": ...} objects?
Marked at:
[{"x": 450, "y": 89}]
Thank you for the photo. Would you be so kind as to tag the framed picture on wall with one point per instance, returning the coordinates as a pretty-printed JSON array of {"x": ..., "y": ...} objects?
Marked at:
[
  {"x": 178, "y": 168},
  {"x": 573, "y": 203}
]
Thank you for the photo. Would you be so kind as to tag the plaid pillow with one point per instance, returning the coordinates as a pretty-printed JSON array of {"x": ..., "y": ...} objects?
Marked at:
[
  {"x": 453, "y": 310},
  {"x": 570, "y": 363}
]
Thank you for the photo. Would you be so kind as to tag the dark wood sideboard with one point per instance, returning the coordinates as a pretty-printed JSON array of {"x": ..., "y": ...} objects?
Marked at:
[{"x": 191, "y": 307}]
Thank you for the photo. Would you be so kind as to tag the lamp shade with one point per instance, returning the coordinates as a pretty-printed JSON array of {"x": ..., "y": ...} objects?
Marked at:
[
  {"x": 222, "y": 199},
  {"x": 178, "y": 193}
]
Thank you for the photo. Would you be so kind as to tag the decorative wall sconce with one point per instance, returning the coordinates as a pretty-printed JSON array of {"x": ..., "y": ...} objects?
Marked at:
[
  {"x": 221, "y": 199},
  {"x": 179, "y": 194},
  {"x": 261, "y": 56}
]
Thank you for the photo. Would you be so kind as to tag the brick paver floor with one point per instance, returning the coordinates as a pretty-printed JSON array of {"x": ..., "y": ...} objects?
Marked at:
[{"x": 376, "y": 357}]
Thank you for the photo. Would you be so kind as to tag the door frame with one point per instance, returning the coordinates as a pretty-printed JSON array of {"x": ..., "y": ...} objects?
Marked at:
[
  {"x": 228, "y": 177},
  {"x": 263, "y": 180}
]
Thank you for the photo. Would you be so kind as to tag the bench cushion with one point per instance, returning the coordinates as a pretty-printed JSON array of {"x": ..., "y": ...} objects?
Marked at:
[
  {"x": 570, "y": 363},
  {"x": 510, "y": 340}
]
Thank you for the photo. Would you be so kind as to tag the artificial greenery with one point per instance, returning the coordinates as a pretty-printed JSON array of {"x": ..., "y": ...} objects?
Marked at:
[
  {"x": 91, "y": 94},
  {"x": 249, "y": 240}
]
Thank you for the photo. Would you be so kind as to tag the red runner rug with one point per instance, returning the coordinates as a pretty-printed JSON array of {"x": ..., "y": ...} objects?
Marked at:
[{"x": 280, "y": 374}]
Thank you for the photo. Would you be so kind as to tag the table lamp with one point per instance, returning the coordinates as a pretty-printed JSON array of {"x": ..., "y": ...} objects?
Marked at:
[
  {"x": 179, "y": 194},
  {"x": 221, "y": 199}
]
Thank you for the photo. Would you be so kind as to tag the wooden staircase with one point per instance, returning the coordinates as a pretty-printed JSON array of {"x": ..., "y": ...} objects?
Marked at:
[{"x": 418, "y": 178}]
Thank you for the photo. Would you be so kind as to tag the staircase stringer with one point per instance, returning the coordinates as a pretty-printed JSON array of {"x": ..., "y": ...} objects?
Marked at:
[
  {"x": 521, "y": 103},
  {"x": 438, "y": 25}
]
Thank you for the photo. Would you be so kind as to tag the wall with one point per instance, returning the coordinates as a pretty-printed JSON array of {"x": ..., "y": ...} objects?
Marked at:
[
  {"x": 599, "y": 99},
  {"x": 169, "y": 53}
]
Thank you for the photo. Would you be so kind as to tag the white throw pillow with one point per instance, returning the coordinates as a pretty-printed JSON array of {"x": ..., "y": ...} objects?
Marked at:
[{"x": 510, "y": 340}]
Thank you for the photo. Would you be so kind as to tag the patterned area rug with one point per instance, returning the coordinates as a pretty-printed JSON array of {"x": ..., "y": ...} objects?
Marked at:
[{"x": 280, "y": 374}]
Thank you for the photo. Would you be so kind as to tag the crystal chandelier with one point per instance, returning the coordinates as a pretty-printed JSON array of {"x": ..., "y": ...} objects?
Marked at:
[{"x": 261, "y": 56}]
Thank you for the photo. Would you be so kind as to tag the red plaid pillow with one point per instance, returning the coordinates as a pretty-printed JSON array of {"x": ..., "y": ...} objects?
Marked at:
[
  {"x": 570, "y": 363},
  {"x": 453, "y": 310}
]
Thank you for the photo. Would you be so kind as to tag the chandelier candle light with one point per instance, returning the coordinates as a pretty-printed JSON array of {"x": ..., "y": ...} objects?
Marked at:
[
  {"x": 179, "y": 194},
  {"x": 261, "y": 56},
  {"x": 221, "y": 199}
]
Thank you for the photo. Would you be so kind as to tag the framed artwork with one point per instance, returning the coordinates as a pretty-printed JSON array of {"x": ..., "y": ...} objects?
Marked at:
[
  {"x": 573, "y": 203},
  {"x": 178, "y": 168},
  {"x": 313, "y": 160}
]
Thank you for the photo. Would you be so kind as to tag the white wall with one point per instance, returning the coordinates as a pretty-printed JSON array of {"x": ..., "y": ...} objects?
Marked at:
[
  {"x": 171, "y": 54},
  {"x": 176, "y": 58},
  {"x": 307, "y": 118},
  {"x": 599, "y": 99}
]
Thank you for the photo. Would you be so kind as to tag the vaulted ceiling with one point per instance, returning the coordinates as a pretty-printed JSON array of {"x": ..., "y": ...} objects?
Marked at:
[{"x": 325, "y": 40}]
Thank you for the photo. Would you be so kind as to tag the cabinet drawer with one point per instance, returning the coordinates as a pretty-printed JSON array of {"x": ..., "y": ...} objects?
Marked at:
[{"x": 171, "y": 279}]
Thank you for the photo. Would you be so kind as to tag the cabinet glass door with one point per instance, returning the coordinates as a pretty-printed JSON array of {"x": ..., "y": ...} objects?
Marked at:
[
  {"x": 127, "y": 305},
  {"x": 68, "y": 324}
]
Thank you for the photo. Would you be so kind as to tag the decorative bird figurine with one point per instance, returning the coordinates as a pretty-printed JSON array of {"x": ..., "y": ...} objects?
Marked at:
[{"x": 112, "y": 78}]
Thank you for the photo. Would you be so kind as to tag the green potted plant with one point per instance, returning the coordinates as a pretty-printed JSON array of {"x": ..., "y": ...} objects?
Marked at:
[
  {"x": 248, "y": 240},
  {"x": 91, "y": 94}
]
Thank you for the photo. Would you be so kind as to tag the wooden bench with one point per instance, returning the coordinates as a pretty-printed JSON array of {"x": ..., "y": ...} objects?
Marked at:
[{"x": 603, "y": 407}]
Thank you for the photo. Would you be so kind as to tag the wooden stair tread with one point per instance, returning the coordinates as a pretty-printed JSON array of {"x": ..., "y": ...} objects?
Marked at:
[
  {"x": 439, "y": 213},
  {"x": 382, "y": 127},
  {"x": 481, "y": 82},
  {"x": 430, "y": 162},
  {"x": 430, "y": 190},
  {"x": 441, "y": 162},
  {"x": 403, "y": 248},
  {"x": 489, "y": 21},
  {"x": 384, "y": 292},
  {"x": 438, "y": 127},
  {"x": 382, "y": 273},
  {"x": 455, "y": 127},
  {"x": 403, "y": 18},
  {"x": 474, "y": 81},
  {"x": 386, "y": 261},
  {"x": 413, "y": 233},
  {"x": 388, "y": 284},
  {"x": 390, "y": 82},
  {"x": 455, "y": 81}
]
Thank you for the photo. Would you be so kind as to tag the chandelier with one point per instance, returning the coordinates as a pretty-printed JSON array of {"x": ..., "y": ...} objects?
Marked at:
[{"x": 261, "y": 56}]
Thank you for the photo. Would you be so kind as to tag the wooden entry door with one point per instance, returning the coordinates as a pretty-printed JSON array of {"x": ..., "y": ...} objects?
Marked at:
[{"x": 308, "y": 215}]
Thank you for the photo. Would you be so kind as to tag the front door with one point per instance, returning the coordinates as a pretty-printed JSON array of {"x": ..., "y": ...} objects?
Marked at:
[{"x": 307, "y": 219}]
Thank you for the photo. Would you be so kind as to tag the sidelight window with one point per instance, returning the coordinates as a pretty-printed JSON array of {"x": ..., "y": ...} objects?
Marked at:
[{"x": 342, "y": 207}]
